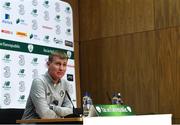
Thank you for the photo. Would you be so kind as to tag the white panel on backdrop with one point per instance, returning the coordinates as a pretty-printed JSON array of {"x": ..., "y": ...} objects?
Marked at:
[{"x": 30, "y": 30}]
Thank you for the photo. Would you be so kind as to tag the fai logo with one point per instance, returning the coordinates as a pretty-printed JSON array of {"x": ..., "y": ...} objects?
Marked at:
[
  {"x": 69, "y": 54},
  {"x": 30, "y": 47},
  {"x": 98, "y": 109}
]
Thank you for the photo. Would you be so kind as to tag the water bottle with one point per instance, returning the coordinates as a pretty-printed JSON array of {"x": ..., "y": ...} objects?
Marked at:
[
  {"x": 116, "y": 99},
  {"x": 120, "y": 101},
  {"x": 87, "y": 103}
]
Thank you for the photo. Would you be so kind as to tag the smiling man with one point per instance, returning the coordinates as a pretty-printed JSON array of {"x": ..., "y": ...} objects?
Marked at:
[{"x": 47, "y": 98}]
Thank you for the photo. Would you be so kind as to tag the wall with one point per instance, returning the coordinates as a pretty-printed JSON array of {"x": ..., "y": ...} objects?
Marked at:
[{"x": 132, "y": 46}]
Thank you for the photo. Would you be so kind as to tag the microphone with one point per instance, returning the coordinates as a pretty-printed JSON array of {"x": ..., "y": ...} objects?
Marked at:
[
  {"x": 109, "y": 98},
  {"x": 76, "y": 111},
  {"x": 69, "y": 98}
]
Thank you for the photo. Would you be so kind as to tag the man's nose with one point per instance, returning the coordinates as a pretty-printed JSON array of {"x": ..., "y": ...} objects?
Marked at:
[{"x": 61, "y": 66}]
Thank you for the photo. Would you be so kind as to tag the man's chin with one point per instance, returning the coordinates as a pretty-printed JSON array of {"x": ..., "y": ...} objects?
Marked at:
[{"x": 60, "y": 76}]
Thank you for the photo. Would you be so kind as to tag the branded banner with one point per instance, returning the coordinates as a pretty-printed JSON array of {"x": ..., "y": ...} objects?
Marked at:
[{"x": 30, "y": 30}]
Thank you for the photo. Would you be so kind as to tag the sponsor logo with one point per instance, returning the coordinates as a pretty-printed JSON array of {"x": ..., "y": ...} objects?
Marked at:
[
  {"x": 70, "y": 77},
  {"x": 35, "y": 73},
  {"x": 22, "y": 99},
  {"x": 58, "y": 18},
  {"x": 21, "y": 9},
  {"x": 47, "y": 27},
  {"x": 68, "y": 21},
  {"x": 46, "y": 38},
  {"x": 7, "y": 5},
  {"x": 34, "y": 2},
  {"x": 70, "y": 66},
  {"x": 34, "y": 61},
  {"x": 68, "y": 32},
  {"x": 57, "y": 7},
  {"x": 7, "y": 99},
  {"x": 34, "y": 12},
  {"x": 6, "y": 31},
  {"x": 46, "y": 3},
  {"x": 34, "y": 25},
  {"x": 21, "y": 60},
  {"x": 7, "y": 58},
  {"x": 7, "y": 72},
  {"x": 58, "y": 29},
  {"x": 22, "y": 34},
  {"x": 46, "y": 15},
  {"x": 68, "y": 10},
  {"x": 6, "y": 19},
  {"x": 21, "y": 21},
  {"x": 68, "y": 43},
  {"x": 21, "y": 73},
  {"x": 34, "y": 36},
  {"x": 7, "y": 85},
  {"x": 7, "y": 16},
  {"x": 58, "y": 41},
  {"x": 21, "y": 86}
]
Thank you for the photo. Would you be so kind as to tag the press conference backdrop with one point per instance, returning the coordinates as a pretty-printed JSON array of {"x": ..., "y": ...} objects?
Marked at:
[{"x": 30, "y": 31}]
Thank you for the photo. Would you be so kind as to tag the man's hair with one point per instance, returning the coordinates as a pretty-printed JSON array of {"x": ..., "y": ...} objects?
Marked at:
[{"x": 60, "y": 54}]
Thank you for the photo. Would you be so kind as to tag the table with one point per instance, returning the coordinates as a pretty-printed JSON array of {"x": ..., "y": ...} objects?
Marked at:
[
  {"x": 57, "y": 120},
  {"x": 161, "y": 119}
]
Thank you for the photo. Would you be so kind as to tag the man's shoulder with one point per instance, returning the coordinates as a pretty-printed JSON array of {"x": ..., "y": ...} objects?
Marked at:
[
  {"x": 64, "y": 81},
  {"x": 40, "y": 78}
]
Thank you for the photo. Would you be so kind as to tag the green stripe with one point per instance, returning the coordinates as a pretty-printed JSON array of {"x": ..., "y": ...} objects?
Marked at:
[{"x": 23, "y": 47}]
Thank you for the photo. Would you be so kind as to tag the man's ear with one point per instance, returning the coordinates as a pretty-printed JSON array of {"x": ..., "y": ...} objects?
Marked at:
[{"x": 47, "y": 63}]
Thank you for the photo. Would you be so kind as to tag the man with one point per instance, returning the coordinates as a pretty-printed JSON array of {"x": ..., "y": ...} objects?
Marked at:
[{"x": 47, "y": 98}]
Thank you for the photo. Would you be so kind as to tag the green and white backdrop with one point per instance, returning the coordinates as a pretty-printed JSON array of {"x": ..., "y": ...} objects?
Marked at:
[{"x": 29, "y": 31}]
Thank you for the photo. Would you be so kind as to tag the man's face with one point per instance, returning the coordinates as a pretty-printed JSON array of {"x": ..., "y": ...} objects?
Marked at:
[{"x": 57, "y": 68}]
